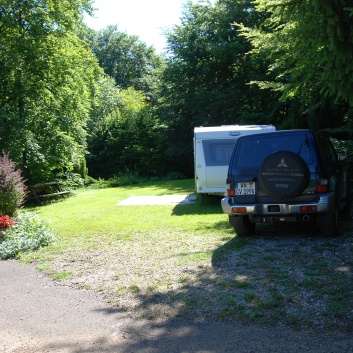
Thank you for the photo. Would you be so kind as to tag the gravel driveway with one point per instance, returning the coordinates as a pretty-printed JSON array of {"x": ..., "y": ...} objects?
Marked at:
[{"x": 38, "y": 315}]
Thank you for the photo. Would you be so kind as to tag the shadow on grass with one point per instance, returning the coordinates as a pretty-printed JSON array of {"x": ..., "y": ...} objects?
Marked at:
[
  {"x": 180, "y": 186},
  {"x": 276, "y": 276},
  {"x": 212, "y": 205}
]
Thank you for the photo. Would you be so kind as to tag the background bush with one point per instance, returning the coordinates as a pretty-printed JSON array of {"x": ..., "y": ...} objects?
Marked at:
[{"x": 12, "y": 188}]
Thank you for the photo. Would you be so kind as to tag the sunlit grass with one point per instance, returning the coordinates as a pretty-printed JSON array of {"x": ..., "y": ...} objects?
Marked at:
[{"x": 91, "y": 216}]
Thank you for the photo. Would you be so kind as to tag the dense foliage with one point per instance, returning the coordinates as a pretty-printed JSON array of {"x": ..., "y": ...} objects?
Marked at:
[
  {"x": 206, "y": 78},
  {"x": 47, "y": 75},
  {"x": 123, "y": 130},
  {"x": 126, "y": 59},
  {"x": 309, "y": 49},
  {"x": 286, "y": 63},
  {"x": 124, "y": 136},
  {"x": 310, "y": 46}
]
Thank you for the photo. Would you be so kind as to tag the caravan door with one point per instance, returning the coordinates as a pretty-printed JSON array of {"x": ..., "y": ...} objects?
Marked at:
[{"x": 212, "y": 166}]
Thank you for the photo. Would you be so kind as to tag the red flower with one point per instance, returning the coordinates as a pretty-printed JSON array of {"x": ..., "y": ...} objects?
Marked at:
[{"x": 6, "y": 222}]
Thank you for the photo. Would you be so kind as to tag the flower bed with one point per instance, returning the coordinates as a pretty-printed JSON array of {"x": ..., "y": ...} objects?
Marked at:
[{"x": 6, "y": 222}]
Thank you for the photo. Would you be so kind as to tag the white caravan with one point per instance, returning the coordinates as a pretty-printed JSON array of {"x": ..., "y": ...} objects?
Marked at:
[{"x": 213, "y": 147}]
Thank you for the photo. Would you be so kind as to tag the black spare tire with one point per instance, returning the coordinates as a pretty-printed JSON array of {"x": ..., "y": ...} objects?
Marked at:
[{"x": 284, "y": 175}]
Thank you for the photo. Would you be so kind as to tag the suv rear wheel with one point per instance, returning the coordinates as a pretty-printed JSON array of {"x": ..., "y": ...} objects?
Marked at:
[{"x": 242, "y": 225}]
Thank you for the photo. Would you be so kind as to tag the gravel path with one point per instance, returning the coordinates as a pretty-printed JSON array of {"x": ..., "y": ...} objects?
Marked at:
[{"x": 38, "y": 315}]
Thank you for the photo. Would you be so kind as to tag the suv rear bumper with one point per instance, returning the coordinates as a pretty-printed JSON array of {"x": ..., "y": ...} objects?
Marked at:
[{"x": 285, "y": 211}]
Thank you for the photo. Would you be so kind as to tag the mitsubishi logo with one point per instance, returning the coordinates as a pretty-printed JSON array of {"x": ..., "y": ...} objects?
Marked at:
[{"x": 282, "y": 164}]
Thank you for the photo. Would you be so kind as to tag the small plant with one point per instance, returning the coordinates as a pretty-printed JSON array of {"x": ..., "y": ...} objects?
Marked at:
[
  {"x": 29, "y": 234},
  {"x": 12, "y": 188},
  {"x": 6, "y": 222},
  {"x": 71, "y": 180}
]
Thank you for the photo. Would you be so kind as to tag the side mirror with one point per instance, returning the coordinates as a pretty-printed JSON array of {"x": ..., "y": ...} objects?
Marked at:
[{"x": 342, "y": 156}]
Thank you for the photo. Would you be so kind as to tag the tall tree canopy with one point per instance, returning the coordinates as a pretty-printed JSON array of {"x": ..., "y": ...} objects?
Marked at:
[
  {"x": 47, "y": 77},
  {"x": 125, "y": 58},
  {"x": 309, "y": 44},
  {"x": 123, "y": 132},
  {"x": 206, "y": 78}
]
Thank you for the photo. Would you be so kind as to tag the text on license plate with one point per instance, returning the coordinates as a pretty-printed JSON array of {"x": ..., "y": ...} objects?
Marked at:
[{"x": 247, "y": 188}]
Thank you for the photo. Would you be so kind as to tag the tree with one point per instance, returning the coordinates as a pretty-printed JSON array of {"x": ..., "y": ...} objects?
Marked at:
[
  {"x": 309, "y": 44},
  {"x": 207, "y": 75},
  {"x": 125, "y": 58},
  {"x": 124, "y": 134},
  {"x": 47, "y": 77}
]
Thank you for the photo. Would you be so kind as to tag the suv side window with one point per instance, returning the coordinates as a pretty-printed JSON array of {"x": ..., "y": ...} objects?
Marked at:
[{"x": 328, "y": 152}]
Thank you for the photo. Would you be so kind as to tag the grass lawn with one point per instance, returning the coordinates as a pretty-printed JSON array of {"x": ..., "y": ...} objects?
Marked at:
[{"x": 185, "y": 261}]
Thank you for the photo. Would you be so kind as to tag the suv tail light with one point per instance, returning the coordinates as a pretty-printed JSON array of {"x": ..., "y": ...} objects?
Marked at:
[
  {"x": 230, "y": 191},
  {"x": 309, "y": 208},
  {"x": 322, "y": 186},
  {"x": 230, "y": 187},
  {"x": 239, "y": 209}
]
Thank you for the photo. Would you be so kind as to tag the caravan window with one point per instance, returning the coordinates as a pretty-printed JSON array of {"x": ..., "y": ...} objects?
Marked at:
[{"x": 218, "y": 152}]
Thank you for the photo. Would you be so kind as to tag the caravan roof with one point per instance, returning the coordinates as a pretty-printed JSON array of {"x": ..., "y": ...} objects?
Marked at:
[{"x": 227, "y": 131}]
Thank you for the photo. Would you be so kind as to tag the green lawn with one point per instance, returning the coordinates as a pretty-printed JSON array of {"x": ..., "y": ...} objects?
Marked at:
[
  {"x": 93, "y": 214},
  {"x": 184, "y": 260}
]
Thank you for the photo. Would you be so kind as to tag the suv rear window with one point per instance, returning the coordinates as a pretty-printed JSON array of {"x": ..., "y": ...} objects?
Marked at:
[{"x": 252, "y": 150}]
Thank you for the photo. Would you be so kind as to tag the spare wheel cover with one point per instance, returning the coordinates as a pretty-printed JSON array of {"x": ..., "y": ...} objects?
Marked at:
[{"x": 284, "y": 174}]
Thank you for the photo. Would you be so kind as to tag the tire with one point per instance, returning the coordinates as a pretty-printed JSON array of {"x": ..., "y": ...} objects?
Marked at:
[
  {"x": 329, "y": 223},
  {"x": 284, "y": 175},
  {"x": 242, "y": 225}
]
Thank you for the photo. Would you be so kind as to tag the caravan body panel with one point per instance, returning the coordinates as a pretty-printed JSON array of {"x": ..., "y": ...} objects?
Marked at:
[{"x": 213, "y": 147}]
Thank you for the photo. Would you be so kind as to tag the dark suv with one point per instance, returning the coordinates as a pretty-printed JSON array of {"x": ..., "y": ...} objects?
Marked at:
[{"x": 286, "y": 176}]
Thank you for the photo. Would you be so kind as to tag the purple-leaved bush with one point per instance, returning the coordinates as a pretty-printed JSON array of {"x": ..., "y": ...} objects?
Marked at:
[{"x": 12, "y": 186}]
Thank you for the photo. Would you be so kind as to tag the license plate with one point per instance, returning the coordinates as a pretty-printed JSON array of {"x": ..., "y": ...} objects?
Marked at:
[{"x": 247, "y": 188}]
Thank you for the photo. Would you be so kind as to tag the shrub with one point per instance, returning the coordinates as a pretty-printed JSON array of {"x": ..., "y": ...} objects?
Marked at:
[
  {"x": 348, "y": 147},
  {"x": 174, "y": 176},
  {"x": 28, "y": 234},
  {"x": 12, "y": 188},
  {"x": 71, "y": 180}
]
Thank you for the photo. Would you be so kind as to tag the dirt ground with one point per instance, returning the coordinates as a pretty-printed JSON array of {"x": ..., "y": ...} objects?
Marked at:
[{"x": 38, "y": 315}]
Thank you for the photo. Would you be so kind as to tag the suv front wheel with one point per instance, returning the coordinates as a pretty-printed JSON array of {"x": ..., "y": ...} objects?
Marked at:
[{"x": 242, "y": 225}]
